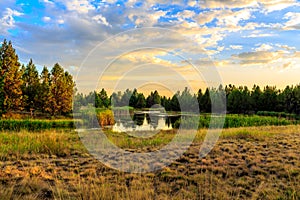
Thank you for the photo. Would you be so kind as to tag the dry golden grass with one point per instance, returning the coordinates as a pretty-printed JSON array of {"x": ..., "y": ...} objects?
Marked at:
[{"x": 246, "y": 163}]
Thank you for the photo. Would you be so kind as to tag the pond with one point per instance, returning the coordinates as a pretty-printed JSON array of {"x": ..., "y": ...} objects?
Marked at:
[{"x": 144, "y": 121}]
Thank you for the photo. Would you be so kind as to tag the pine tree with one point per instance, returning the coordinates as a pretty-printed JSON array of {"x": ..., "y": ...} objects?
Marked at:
[
  {"x": 44, "y": 94},
  {"x": 68, "y": 92},
  {"x": 2, "y": 97},
  {"x": 141, "y": 101},
  {"x": 104, "y": 98},
  {"x": 30, "y": 86},
  {"x": 61, "y": 89},
  {"x": 133, "y": 99},
  {"x": 11, "y": 78}
]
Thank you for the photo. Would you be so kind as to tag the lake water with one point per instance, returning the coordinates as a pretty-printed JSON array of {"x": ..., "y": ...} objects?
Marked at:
[{"x": 144, "y": 121}]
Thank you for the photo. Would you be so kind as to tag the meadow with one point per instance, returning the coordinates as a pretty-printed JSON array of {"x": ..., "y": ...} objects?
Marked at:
[{"x": 246, "y": 163}]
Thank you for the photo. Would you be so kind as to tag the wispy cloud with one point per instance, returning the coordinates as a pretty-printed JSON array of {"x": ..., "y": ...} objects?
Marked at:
[{"x": 7, "y": 21}]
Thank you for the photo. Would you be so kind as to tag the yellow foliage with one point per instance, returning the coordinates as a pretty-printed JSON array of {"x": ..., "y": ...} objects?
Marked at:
[{"x": 106, "y": 118}]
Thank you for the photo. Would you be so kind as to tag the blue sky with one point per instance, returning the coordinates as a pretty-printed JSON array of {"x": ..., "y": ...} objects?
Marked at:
[{"x": 249, "y": 42}]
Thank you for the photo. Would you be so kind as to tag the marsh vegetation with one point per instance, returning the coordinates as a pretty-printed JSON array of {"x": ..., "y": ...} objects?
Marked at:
[{"x": 256, "y": 162}]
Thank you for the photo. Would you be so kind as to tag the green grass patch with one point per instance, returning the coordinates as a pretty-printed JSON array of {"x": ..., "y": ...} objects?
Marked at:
[
  {"x": 59, "y": 143},
  {"x": 35, "y": 125},
  {"x": 235, "y": 121}
]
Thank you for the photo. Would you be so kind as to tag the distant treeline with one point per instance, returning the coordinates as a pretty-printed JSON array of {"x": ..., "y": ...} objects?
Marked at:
[
  {"x": 238, "y": 100},
  {"x": 22, "y": 88}
]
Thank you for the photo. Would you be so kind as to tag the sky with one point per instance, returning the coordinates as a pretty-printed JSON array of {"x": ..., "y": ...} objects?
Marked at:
[{"x": 165, "y": 45}]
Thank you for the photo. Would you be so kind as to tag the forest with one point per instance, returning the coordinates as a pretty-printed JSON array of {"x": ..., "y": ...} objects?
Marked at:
[
  {"x": 239, "y": 100},
  {"x": 24, "y": 89}
]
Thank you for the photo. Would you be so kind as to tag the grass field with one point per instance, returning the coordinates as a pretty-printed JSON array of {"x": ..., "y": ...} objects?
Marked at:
[
  {"x": 36, "y": 124},
  {"x": 247, "y": 163}
]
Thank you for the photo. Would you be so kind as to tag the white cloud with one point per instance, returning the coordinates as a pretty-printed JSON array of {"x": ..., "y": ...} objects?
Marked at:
[
  {"x": 293, "y": 20},
  {"x": 79, "y": 6},
  {"x": 286, "y": 47},
  {"x": 143, "y": 18},
  {"x": 101, "y": 20},
  {"x": 8, "y": 17},
  {"x": 232, "y": 18},
  {"x": 265, "y": 5},
  {"x": 258, "y": 33},
  {"x": 110, "y": 1},
  {"x": 48, "y": 2},
  {"x": 186, "y": 14},
  {"x": 7, "y": 21},
  {"x": 271, "y": 59},
  {"x": 220, "y": 48},
  {"x": 46, "y": 19},
  {"x": 236, "y": 47},
  {"x": 60, "y": 21},
  {"x": 264, "y": 47},
  {"x": 271, "y": 5},
  {"x": 207, "y": 16}
]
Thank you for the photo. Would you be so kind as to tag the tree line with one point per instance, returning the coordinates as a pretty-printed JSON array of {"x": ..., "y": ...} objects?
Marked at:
[
  {"x": 22, "y": 88},
  {"x": 238, "y": 100}
]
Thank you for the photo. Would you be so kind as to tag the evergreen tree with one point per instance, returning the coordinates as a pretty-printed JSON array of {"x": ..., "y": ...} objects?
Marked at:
[
  {"x": 188, "y": 102},
  {"x": 2, "y": 96},
  {"x": 256, "y": 98},
  {"x": 149, "y": 100},
  {"x": 44, "y": 94},
  {"x": 199, "y": 97},
  {"x": 62, "y": 89},
  {"x": 205, "y": 102},
  {"x": 141, "y": 101},
  {"x": 10, "y": 78},
  {"x": 165, "y": 102},
  {"x": 102, "y": 99},
  {"x": 30, "y": 86},
  {"x": 156, "y": 98},
  {"x": 269, "y": 98},
  {"x": 175, "y": 106},
  {"x": 133, "y": 99}
]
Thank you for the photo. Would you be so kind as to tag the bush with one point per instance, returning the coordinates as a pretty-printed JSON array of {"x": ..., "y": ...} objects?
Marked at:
[{"x": 106, "y": 118}]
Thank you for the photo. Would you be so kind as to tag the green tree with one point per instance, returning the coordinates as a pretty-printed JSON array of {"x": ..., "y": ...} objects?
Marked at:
[
  {"x": 141, "y": 101},
  {"x": 153, "y": 98},
  {"x": 44, "y": 94},
  {"x": 30, "y": 86},
  {"x": 11, "y": 78},
  {"x": 126, "y": 98},
  {"x": 296, "y": 100},
  {"x": 256, "y": 98},
  {"x": 115, "y": 99},
  {"x": 2, "y": 96},
  {"x": 175, "y": 106},
  {"x": 156, "y": 98},
  {"x": 188, "y": 102},
  {"x": 205, "y": 102},
  {"x": 218, "y": 99},
  {"x": 103, "y": 100},
  {"x": 61, "y": 89},
  {"x": 269, "y": 98},
  {"x": 165, "y": 102},
  {"x": 133, "y": 99}
]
